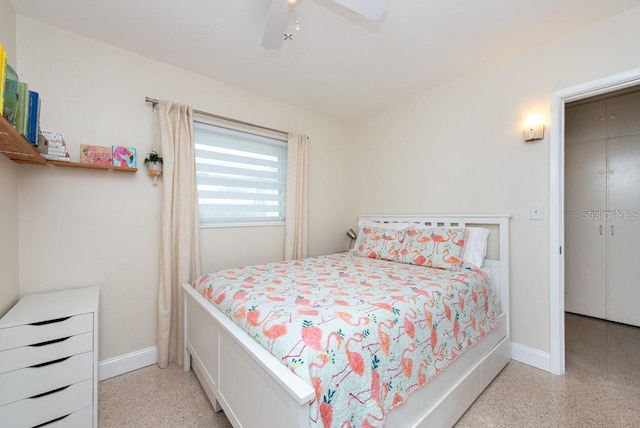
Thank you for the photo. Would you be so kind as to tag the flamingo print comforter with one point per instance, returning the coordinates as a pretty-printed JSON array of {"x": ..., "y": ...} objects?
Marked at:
[{"x": 364, "y": 333}]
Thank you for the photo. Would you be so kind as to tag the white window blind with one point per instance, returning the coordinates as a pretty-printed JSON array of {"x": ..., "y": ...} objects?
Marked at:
[{"x": 241, "y": 176}]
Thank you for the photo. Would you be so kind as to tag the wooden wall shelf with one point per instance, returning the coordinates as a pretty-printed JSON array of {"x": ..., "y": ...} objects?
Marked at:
[
  {"x": 90, "y": 166},
  {"x": 15, "y": 147}
]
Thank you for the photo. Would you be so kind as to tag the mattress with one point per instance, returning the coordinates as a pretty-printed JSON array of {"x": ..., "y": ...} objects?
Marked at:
[{"x": 364, "y": 333}]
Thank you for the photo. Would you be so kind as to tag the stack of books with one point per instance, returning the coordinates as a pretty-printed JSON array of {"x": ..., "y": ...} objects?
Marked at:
[{"x": 52, "y": 146}]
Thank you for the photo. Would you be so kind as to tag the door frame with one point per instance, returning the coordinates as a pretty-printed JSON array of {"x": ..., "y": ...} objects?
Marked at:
[{"x": 556, "y": 200}]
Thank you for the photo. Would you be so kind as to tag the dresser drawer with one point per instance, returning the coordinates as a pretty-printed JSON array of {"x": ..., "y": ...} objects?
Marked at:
[
  {"x": 24, "y": 383},
  {"x": 80, "y": 419},
  {"x": 29, "y": 334},
  {"x": 28, "y": 356},
  {"x": 38, "y": 410}
]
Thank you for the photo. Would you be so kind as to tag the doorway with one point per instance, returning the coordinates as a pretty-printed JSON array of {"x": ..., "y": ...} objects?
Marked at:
[
  {"x": 556, "y": 200},
  {"x": 602, "y": 196}
]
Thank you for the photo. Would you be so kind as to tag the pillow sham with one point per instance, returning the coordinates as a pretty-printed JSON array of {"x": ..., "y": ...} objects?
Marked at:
[
  {"x": 475, "y": 247},
  {"x": 435, "y": 247},
  {"x": 378, "y": 242},
  {"x": 368, "y": 223}
]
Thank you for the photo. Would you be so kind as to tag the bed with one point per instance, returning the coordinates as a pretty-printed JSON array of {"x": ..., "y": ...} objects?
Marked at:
[{"x": 255, "y": 388}]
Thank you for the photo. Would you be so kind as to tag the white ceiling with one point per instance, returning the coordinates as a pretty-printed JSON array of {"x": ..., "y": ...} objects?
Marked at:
[{"x": 337, "y": 64}]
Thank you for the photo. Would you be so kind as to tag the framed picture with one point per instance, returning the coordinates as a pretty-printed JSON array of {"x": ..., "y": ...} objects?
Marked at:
[
  {"x": 124, "y": 156},
  {"x": 95, "y": 155}
]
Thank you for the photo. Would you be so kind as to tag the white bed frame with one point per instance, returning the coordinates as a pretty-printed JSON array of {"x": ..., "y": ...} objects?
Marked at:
[{"x": 256, "y": 390}]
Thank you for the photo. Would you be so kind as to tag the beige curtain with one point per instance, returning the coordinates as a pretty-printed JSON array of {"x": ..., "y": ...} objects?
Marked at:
[
  {"x": 295, "y": 240},
  {"x": 180, "y": 246}
]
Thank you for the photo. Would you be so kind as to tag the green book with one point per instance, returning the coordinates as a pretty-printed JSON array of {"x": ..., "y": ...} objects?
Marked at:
[
  {"x": 10, "y": 95},
  {"x": 22, "y": 114}
]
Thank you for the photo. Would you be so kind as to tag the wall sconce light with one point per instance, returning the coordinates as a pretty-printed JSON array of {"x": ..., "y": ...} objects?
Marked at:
[
  {"x": 351, "y": 234},
  {"x": 534, "y": 129}
]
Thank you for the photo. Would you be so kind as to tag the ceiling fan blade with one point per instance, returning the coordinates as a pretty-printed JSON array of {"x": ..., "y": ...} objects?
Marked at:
[
  {"x": 276, "y": 23},
  {"x": 373, "y": 10}
]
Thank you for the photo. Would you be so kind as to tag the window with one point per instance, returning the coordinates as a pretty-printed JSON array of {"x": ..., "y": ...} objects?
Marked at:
[{"x": 241, "y": 176}]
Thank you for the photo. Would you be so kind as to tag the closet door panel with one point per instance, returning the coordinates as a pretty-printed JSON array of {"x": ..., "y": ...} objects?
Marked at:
[
  {"x": 585, "y": 177},
  {"x": 624, "y": 232},
  {"x": 585, "y": 273},
  {"x": 623, "y": 115},
  {"x": 624, "y": 173},
  {"x": 623, "y": 278},
  {"x": 585, "y": 122}
]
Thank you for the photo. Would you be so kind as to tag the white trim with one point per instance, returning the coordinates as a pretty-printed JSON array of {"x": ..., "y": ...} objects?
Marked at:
[
  {"x": 556, "y": 200},
  {"x": 126, "y": 363},
  {"x": 530, "y": 356},
  {"x": 556, "y": 236},
  {"x": 241, "y": 224}
]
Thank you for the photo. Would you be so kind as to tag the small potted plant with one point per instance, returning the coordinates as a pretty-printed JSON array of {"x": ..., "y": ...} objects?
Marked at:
[{"x": 153, "y": 162}]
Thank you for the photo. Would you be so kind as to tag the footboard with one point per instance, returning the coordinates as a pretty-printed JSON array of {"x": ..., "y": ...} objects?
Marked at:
[{"x": 238, "y": 375}]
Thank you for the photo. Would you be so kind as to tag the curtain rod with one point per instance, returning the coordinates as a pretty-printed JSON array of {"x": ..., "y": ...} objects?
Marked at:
[{"x": 215, "y": 116}]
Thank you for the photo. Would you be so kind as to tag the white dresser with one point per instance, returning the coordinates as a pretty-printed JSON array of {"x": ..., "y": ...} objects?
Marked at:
[{"x": 49, "y": 361}]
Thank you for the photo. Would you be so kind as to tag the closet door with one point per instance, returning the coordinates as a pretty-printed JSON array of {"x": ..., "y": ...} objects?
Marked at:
[
  {"x": 585, "y": 238},
  {"x": 585, "y": 199},
  {"x": 623, "y": 281}
]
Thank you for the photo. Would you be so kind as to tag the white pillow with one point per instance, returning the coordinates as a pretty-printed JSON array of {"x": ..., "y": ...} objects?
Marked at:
[{"x": 475, "y": 249}]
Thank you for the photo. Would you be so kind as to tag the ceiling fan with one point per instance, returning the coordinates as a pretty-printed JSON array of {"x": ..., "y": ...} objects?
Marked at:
[{"x": 278, "y": 18}]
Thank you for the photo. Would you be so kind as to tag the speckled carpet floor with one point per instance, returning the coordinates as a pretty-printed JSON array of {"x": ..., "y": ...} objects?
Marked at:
[{"x": 600, "y": 389}]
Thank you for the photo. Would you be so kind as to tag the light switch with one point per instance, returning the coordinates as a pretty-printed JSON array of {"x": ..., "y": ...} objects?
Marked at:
[{"x": 536, "y": 212}]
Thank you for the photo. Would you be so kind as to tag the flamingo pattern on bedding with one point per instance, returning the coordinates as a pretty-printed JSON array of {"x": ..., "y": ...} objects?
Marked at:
[{"x": 364, "y": 333}]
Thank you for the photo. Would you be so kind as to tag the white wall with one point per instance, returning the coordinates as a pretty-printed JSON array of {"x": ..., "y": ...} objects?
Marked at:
[
  {"x": 459, "y": 149},
  {"x": 9, "y": 286},
  {"x": 8, "y": 31},
  {"x": 84, "y": 227}
]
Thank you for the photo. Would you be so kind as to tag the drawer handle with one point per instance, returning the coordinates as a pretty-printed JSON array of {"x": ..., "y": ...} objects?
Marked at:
[
  {"x": 51, "y": 421},
  {"x": 50, "y": 321},
  {"x": 50, "y": 392},
  {"x": 49, "y": 363},
  {"x": 50, "y": 342}
]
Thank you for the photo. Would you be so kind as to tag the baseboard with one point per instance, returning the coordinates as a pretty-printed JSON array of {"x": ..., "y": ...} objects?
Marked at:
[
  {"x": 531, "y": 356},
  {"x": 145, "y": 357},
  {"x": 127, "y": 363}
]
